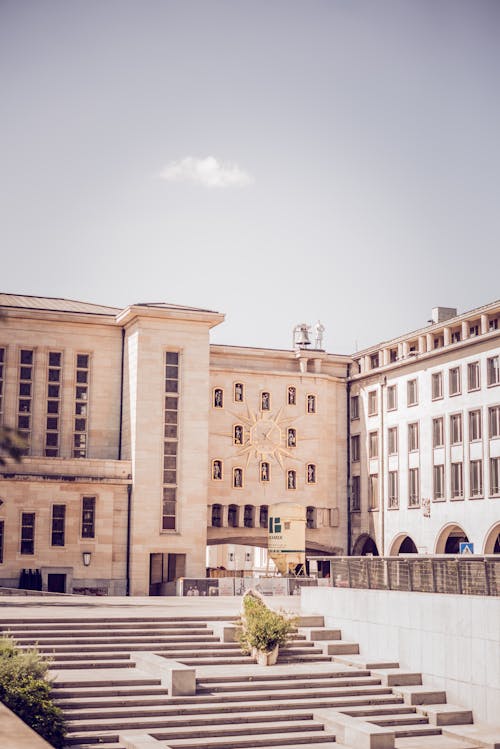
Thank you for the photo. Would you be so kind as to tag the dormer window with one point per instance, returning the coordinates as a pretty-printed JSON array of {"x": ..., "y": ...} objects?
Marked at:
[
  {"x": 456, "y": 336},
  {"x": 473, "y": 330},
  {"x": 393, "y": 355},
  {"x": 374, "y": 361}
]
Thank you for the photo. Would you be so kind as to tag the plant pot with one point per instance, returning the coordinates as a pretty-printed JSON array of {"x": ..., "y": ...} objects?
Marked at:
[{"x": 264, "y": 657}]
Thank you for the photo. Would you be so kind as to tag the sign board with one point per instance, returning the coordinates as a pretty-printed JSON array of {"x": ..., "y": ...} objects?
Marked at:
[
  {"x": 466, "y": 547},
  {"x": 286, "y": 540}
]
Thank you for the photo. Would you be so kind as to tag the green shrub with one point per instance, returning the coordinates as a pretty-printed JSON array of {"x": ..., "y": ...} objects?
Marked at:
[
  {"x": 261, "y": 627},
  {"x": 25, "y": 690}
]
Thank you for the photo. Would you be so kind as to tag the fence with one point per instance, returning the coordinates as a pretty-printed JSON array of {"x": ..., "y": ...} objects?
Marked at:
[{"x": 477, "y": 576}]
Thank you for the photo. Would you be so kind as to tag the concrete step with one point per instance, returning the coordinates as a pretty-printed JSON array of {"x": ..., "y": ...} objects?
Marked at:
[
  {"x": 340, "y": 647},
  {"x": 247, "y": 728},
  {"x": 105, "y": 683},
  {"x": 397, "y": 677},
  {"x": 402, "y": 731},
  {"x": 395, "y": 719},
  {"x": 109, "y": 631},
  {"x": 264, "y": 675},
  {"x": 367, "y": 712},
  {"x": 101, "y": 745},
  {"x": 88, "y": 658},
  {"x": 320, "y": 633},
  {"x": 361, "y": 661},
  {"x": 106, "y": 692},
  {"x": 203, "y": 687},
  {"x": 420, "y": 695},
  {"x": 310, "y": 620},
  {"x": 69, "y": 665},
  {"x": 112, "y": 641},
  {"x": 296, "y": 738},
  {"x": 481, "y": 734},
  {"x": 445, "y": 714},
  {"x": 78, "y": 622},
  {"x": 154, "y": 646},
  {"x": 432, "y": 742}
]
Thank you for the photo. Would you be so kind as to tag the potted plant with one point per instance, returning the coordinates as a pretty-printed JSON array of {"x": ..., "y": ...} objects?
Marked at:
[{"x": 261, "y": 630}]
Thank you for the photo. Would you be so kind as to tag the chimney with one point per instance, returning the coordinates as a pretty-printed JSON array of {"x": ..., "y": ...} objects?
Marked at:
[{"x": 440, "y": 314}]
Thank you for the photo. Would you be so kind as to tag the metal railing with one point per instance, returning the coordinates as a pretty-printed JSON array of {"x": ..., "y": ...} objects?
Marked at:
[{"x": 477, "y": 576}]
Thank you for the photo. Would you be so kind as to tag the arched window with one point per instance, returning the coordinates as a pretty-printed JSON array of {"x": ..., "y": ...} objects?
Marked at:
[
  {"x": 238, "y": 392},
  {"x": 311, "y": 473},
  {"x": 217, "y": 516},
  {"x": 218, "y": 398},
  {"x": 292, "y": 396},
  {"x": 232, "y": 516},
  {"x": 291, "y": 479},
  {"x": 263, "y": 516},
  {"x": 217, "y": 470},
  {"x": 238, "y": 434},
  {"x": 248, "y": 516},
  {"x": 265, "y": 401}
]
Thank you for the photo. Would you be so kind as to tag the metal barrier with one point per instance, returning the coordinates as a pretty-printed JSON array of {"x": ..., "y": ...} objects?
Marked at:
[{"x": 477, "y": 576}]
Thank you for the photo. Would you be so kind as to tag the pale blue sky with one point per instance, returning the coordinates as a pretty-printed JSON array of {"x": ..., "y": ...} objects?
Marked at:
[{"x": 368, "y": 131}]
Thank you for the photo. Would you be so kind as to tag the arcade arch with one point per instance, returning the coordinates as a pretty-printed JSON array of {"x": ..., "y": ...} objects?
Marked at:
[
  {"x": 449, "y": 539},
  {"x": 492, "y": 542},
  {"x": 403, "y": 544},
  {"x": 365, "y": 545}
]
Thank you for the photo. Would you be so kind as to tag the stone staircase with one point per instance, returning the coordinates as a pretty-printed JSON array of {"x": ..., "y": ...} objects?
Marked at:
[{"x": 321, "y": 693}]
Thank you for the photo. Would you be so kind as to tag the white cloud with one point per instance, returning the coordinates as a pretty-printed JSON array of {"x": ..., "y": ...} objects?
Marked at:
[{"x": 208, "y": 172}]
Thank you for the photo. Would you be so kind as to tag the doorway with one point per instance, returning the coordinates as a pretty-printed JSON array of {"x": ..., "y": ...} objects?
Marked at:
[
  {"x": 164, "y": 571},
  {"x": 56, "y": 582}
]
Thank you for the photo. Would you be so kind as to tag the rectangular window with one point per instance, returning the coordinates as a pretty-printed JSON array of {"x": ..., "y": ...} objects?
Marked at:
[
  {"x": 239, "y": 392},
  {"x": 24, "y": 403},
  {"x": 493, "y": 324},
  {"x": 392, "y": 398},
  {"x": 58, "y": 524},
  {"x": 54, "y": 380},
  {"x": 392, "y": 440},
  {"x": 438, "y": 432},
  {"x": 413, "y": 436},
  {"x": 454, "y": 381},
  {"x": 493, "y": 370},
  {"x": 80, "y": 419},
  {"x": 372, "y": 403},
  {"x": 456, "y": 429},
  {"x": 412, "y": 393},
  {"x": 473, "y": 376},
  {"x": 437, "y": 385},
  {"x": 354, "y": 407},
  {"x": 355, "y": 448},
  {"x": 413, "y": 488},
  {"x": 1, "y": 540},
  {"x": 393, "y": 490},
  {"x": 2, "y": 364},
  {"x": 28, "y": 533},
  {"x": 475, "y": 425},
  {"x": 170, "y": 440},
  {"x": 457, "y": 484},
  {"x": 474, "y": 330},
  {"x": 373, "y": 491},
  {"x": 356, "y": 493},
  {"x": 494, "y": 421},
  {"x": 88, "y": 517},
  {"x": 373, "y": 444},
  {"x": 476, "y": 478},
  {"x": 373, "y": 361},
  {"x": 495, "y": 476},
  {"x": 438, "y": 482}
]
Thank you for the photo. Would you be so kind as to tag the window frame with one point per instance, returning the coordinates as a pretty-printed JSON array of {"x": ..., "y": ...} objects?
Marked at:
[
  {"x": 393, "y": 405},
  {"x": 475, "y": 367},
  {"x": 451, "y": 375},
  {"x": 438, "y": 468},
  {"x": 456, "y": 488},
  {"x": 437, "y": 377},
  {"x": 413, "y": 437},
  {"x": 412, "y": 385},
  {"x": 492, "y": 368}
]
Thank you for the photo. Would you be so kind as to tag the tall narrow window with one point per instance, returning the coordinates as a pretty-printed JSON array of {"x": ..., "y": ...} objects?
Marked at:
[
  {"x": 238, "y": 434},
  {"x": 392, "y": 440},
  {"x": 412, "y": 393},
  {"x": 2, "y": 364},
  {"x": 81, "y": 406},
  {"x": 311, "y": 518},
  {"x": 438, "y": 482},
  {"x": 170, "y": 442},
  {"x": 437, "y": 385},
  {"x": 263, "y": 516},
  {"x": 52, "y": 425},
  {"x": 413, "y": 488},
  {"x": 457, "y": 483},
  {"x": 473, "y": 376},
  {"x": 27, "y": 533},
  {"x": 1, "y": 540},
  {"x": 291, "y": 479},
  {"x": 88, "y": 517},
  {"x": 218, "y": 398},
  {"x": 493, "y": 370},
  {"x": 495, "y": 476},
  {"x": 248, "y": 515},
  {"x": 265, "y": 401},
  {"x": 356, "y": 493},
  {"x": 355, "y": 448},
  {"x": 25, "y": 400},
  {"x": 413, "y": 437},
  {"x": 58, "y": 525},
  {"x": 311, "y": 404},
  {"x": 373, "y": 491},
  {"x": 476, "y": 478},
  {"x": 217, "y": 470},
  {"x": 216, "y": 516},
  {"x": 392, "y": 398},
  {"x": 438, "y": 432},
  {"x": 454, "y": 381},
  {"x": 354, "y": 407},
  {"x": 456, "y": 429},
  {"x": 291, "y": 437},
  {"x": 494, "y": 421},
  {"x": 238, "y": 392},
  {"x": 311, "y": 473},
  {"x": 475, "y": 425},
  {"x": 232, "y": 516},
  {"x": 372, "y": 403},
  {"x": 393, "y": 490},
  {"x": 265, "y": 471},
  {"x": 373, "y": 445},
  {"x": 292, "y": 396},
  {"x": 237, "y": 478}
]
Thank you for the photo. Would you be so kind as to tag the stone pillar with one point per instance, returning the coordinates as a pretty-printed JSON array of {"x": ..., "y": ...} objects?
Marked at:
[
  {"x": 224, "y": 514},
  {"x": 430, "y": 341},
  {"x": 465, "y": 330},
  {"x": 386, "y": 356},
  {"x": 447, "y": 336},
  {"x": 422, "y": 344},
  {"x": 484, "y": 323}
]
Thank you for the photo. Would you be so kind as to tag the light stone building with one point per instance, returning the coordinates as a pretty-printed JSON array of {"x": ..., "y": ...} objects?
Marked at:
[{"x": 145, "y": 443}]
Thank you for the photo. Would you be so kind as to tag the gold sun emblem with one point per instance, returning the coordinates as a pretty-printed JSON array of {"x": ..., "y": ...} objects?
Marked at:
[{"x": 265, "y": 437}]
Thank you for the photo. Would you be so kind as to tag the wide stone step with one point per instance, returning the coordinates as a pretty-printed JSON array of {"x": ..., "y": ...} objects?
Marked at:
[
  {"x": 288, "y": 658},
  {"x": 107, "y": 692},
  {"x": 203, "y": 687},
  {"x": 178, "y": 640},
  {"x": 219, "y": 661},
  {"x": 433, "y": 742},
  {"x": 264, "y": 675},
  {"x": 247, "y": 728},
  {"x": 402, "y": 731},
  {"x": 155, "y": 646},
  {"x": 320, "y": 633},
  {"x": 395, "y": 719},
  {"x": 101, "y": 745},
  {"x": 268, "y": 739},
  {"x": 446, "y": 714},
  {"x": 113, "y": 620},
  {"x": 104, "y": 683},
  {"x": 161, "y": 629},
  {"x": 89, "y": 658},
  {"x": 421, "y": 695},
  {"x": 69, "y": 665},
  {"x": 367, "y": 712},
  {"x": 342, "y": 647},
  {"x": 361, "y": 661}
]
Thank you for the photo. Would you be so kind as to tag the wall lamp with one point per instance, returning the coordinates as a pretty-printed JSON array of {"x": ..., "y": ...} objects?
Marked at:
[{"x": 86, "y": 555}]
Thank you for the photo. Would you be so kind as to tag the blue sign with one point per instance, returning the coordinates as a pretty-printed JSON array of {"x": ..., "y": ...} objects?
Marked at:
[{"x": 466, "y": 547}]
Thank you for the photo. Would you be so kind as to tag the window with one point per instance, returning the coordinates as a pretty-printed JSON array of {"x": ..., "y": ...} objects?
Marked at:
[
  {"x": 493, "y": 370},
  {"x": 24, "y": 403},
  {"x": 232, "y": 516},
  {"x": 217, "y": 470},
  {"x": 438, "y": 482},
  {"x": 54, "y": 378},
  {"x": 311, "y": 404},
  {"x": 27, "y": 533},
  {"x": 412, "y": 393},
  {"x": 216, "y": 516},
  {"x": 495, "y": 475},
  {"x": 58, "y": 523},
  {"x": 82, "y": 376},
  {"x": 456, "y": 429},
  {"x": 291, "y": 438},
  {"x": 218, "y": 398},
  {"x": 2, "y": 363},
  {"x": 170, "y": 442},
  {"x": 291, "y": 479},
  {"x": 393, "y": 355},
  {"x": 475, "y": 425},
  {"x": 265, "y": 401},
  {"x": 292, "y": 396},
  {"x": 494, "y": 421},
  {"x": 372, "y": 403},
  {"x": 392, "y": 440},
  {"x": 1, "y": 540},
  {"x": 374, "y": 361},
  {"x": 88, "y": 517},
  {"x": 413, "y": 437},
  {"x": 238, "y": 434},
  {"x": 413, "y": 488},
  {"x": 437, "y": 385},
  {"x": 354, "y": 407},
  {"x": 237, "y": 478},
  {"x": 392, "y": 398},
  {"x": 393, "y": 490},
  {"x": 454, "y": 381},
  {"x": 456, "y": 336},
  {"x": 373, "y": 445},
  {"x": 248, "y": 516},
  {"x": 356, "y": 494},
  {"x": 265, "y": 471},
  {"x": 311, "y": 518},
  {"x": 493, "y": 325},
  {"x": 238, "y": 392},
  {"x": 476, "y": 478},
  {"x": 457, "y": 485},
  {"x": 263, "y": 516},
  {"x": 355, "y": 448},
  {"x": 473, "y": 376},
  {"x": 473, "y": 330},
  {"x": 438, "y": 432},
  {"x": 373, "y": 491},
  {"x": 311, "y": 473}
]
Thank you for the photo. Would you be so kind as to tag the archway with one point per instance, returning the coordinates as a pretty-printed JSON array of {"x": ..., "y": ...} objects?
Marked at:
[
  {"x": 450, "y": 538},
  {"x": 403, "y": 544},
  {"x": 365, "y": 545},
  {"x": 492, "y": 543}
]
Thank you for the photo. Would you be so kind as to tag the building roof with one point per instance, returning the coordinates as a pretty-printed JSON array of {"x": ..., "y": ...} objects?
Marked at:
[{"x": 54, "y": 304}]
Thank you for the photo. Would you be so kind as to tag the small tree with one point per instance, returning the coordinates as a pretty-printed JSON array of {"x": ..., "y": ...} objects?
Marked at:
[{"x": 261, "y": 627}]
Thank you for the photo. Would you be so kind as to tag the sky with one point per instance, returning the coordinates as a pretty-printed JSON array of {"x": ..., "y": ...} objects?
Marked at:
[{"x": 280, "y": 161}]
